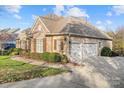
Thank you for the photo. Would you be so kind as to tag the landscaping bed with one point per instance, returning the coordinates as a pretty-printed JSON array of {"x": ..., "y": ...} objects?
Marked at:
[{"x": 12, "y": 70}]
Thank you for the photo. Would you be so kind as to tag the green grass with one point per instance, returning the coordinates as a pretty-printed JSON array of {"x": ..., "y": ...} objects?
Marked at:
[{"x": 12, "y": 70}]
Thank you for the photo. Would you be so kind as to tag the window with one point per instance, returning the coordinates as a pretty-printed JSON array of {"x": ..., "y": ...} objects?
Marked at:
[
  {"x": 39, "y": 45},
  {"x": 58, "y": 45}
]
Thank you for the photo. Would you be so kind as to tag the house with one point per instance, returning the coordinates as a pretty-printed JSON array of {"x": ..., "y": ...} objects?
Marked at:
[
  {"x": 22, "y": 40},
  {"x": 8, "y": 38},
  {"x": 72, "y": 36}
]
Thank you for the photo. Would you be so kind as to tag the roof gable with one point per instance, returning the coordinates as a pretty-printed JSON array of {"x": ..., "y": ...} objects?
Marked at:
[{"x": 39, "y": 26}]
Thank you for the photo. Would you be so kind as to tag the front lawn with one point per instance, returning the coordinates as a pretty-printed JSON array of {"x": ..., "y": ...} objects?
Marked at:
[{"x": 11, "y": 70}]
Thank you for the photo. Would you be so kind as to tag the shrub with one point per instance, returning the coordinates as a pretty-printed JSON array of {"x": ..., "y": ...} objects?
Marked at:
[
  {"x": 45, "y": 56},
  {"x": 4, "y": 52},
  {"x": 14, "y": 51},
  {"x": 113, "y": 54},
  {"x": 37, "y": 56},
  {"x": 54, "y": 57},
  {"x": 64, "y": 59},
  {"x": 17, "y": 49},
  {"x": 27, "y": 54},
  {"x": 51, "y": 57},
  {"x": 106, "y": 51}
]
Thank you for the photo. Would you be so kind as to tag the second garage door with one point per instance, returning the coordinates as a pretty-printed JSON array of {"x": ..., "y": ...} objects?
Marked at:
[{"x": 89, "y": 50}]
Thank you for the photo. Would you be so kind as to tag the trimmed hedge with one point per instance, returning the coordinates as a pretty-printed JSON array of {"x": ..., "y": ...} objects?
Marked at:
[
  {"x": 54, "y": 57},
  {"x": 51, "y": 57},
  {"x": 46, "y": 56}
]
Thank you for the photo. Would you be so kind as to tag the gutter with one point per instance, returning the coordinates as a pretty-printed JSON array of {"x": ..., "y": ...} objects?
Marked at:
[{"x": 76, "y": 35}]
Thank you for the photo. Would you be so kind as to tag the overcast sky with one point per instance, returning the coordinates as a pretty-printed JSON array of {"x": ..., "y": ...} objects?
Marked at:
[{"x": 104, "y": 17}]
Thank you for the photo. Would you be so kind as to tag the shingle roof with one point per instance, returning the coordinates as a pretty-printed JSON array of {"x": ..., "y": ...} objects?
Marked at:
[
  {"x": 53, "y": 22},
  {"x": 59, "y": 24}
]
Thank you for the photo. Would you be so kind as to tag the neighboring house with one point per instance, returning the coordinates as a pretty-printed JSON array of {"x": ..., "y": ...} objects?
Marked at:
[
  {"x": 8, "y": 38},
  {"x": 23, "y": 40},
  {"x": 72, "y": 36}
]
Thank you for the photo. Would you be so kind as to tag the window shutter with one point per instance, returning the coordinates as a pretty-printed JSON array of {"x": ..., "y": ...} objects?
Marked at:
[
  {"x": 44, "y": 44},
  {"x": 62, "y": 45},
  {"x": 54, "y": 44}
]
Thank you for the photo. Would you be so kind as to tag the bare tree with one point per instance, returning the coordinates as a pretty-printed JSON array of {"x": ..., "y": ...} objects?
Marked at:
[{"x": 119, "y": 40}]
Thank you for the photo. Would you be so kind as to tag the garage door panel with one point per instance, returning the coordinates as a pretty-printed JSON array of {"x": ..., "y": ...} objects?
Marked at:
[
  {"x": 75, "y": 52},
  {"x": 89, "y": 50}
]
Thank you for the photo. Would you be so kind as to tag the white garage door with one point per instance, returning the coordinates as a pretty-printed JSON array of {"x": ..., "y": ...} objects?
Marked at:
[
  {"x": 89, "y": 50},
  {"x": 39, "y": 45},
  {"x": 79, "y": 51},
  {"x": 75, "y": 52}
]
